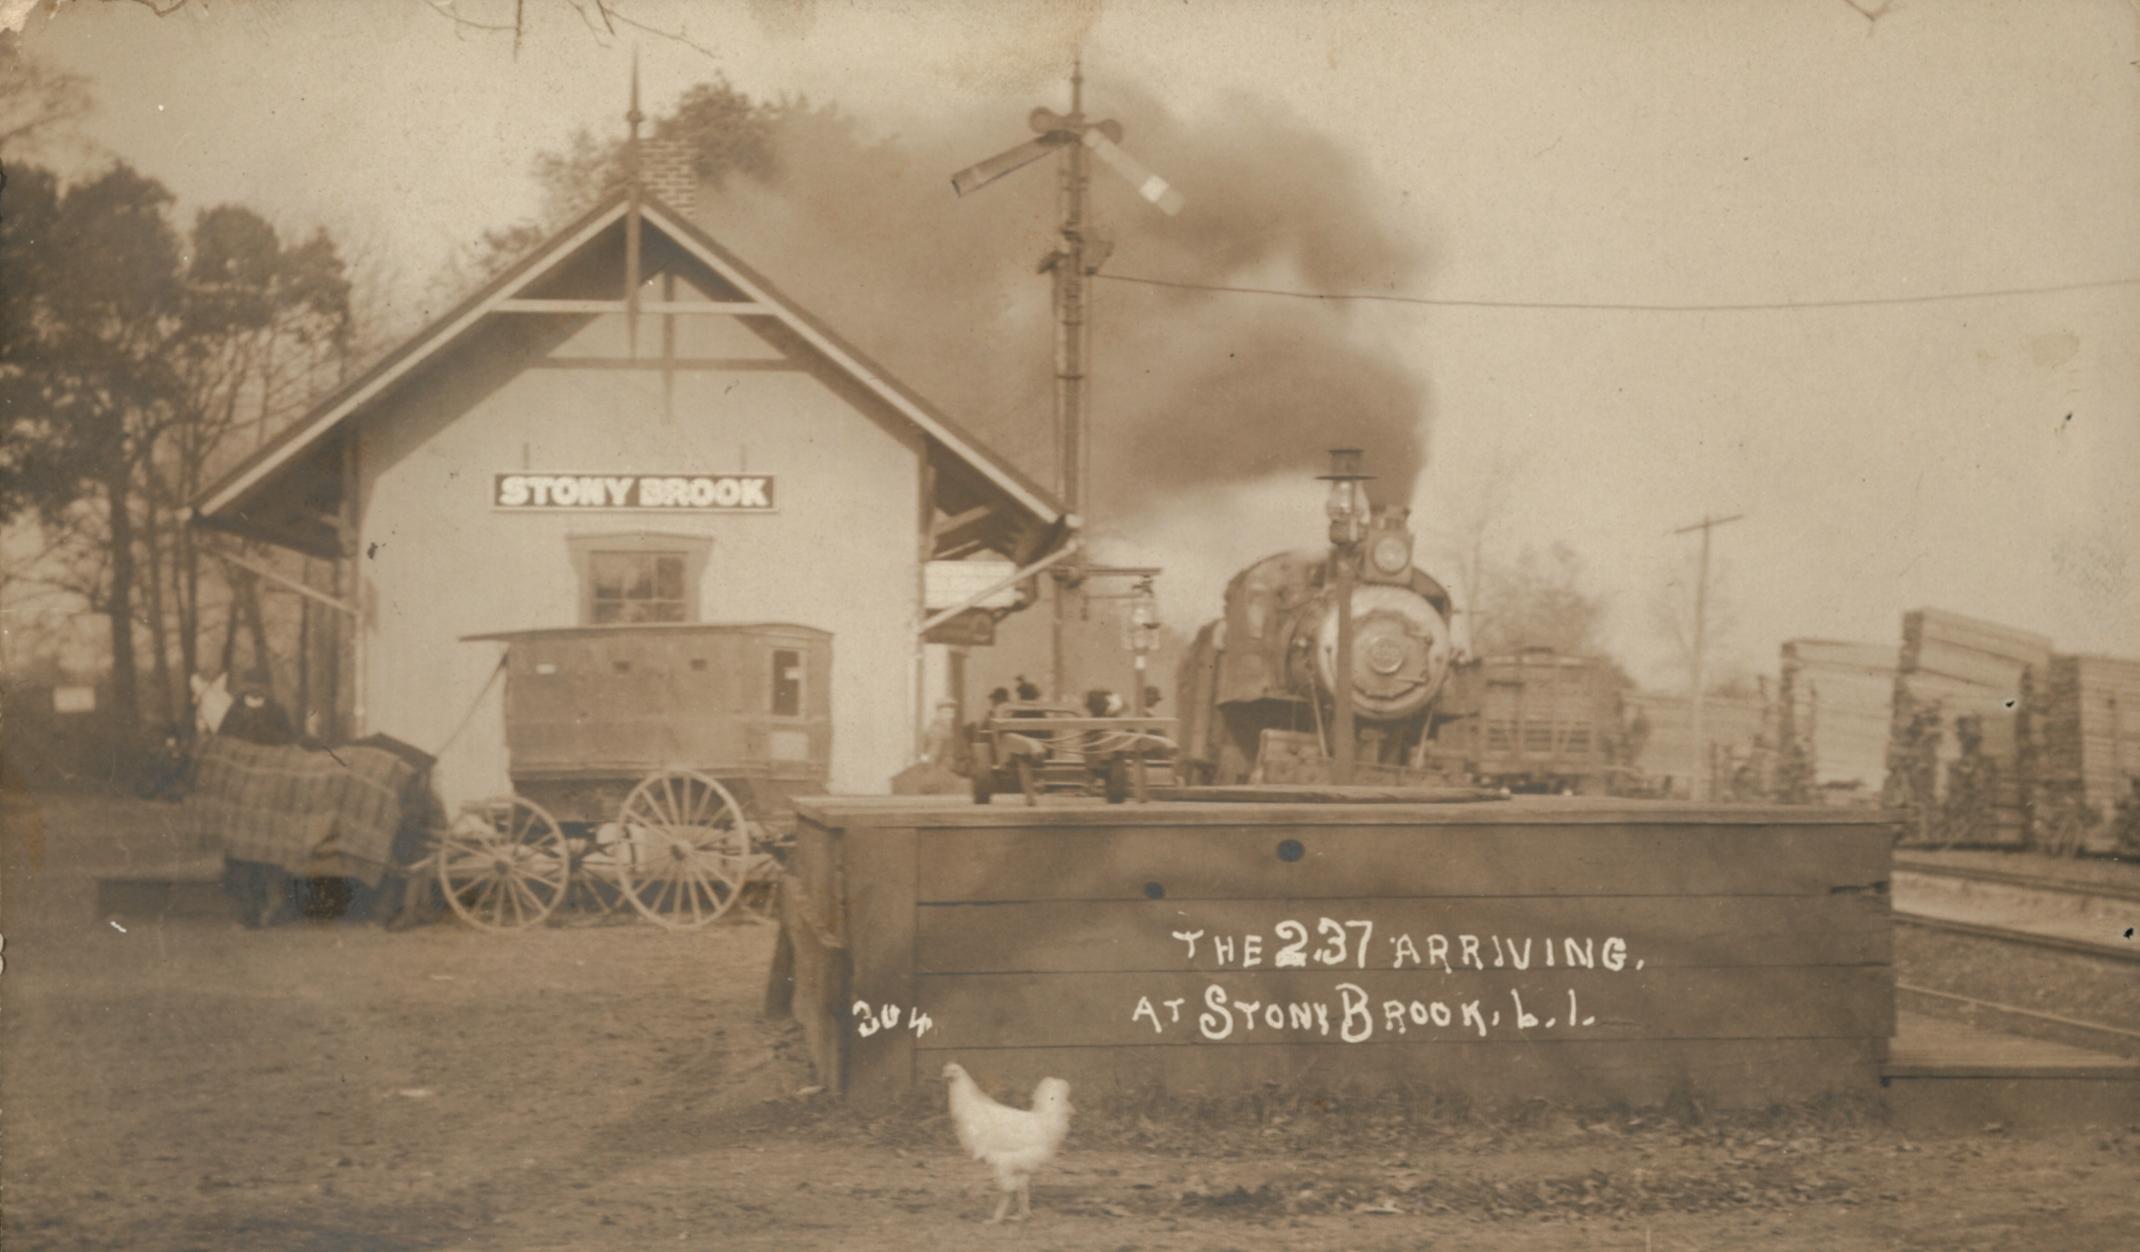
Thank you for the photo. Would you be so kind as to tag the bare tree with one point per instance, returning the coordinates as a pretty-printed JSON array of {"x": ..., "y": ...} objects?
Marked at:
[
  {"x": 1542, "y": 601},
  {"x": 1478, "y": 512},
  {"x": 1671, "y": 610},
  {"x": 38, "y": 104},
  {"x": 604, "y": 19}
]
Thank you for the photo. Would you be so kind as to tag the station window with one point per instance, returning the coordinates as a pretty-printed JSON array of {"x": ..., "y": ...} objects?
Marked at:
[
  {"x": 787, "y": 683},
  {"x": 638, "y": 577},
  {"x": 636, "y": 587}
]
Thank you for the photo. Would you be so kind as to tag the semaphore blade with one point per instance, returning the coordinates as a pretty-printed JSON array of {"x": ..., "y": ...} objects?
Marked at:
[
  {"x": 975, "y": 177},
  {"x": 1149, "y": 185}
]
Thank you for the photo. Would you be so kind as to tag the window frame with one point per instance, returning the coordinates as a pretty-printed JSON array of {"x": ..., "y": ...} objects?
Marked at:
[
  {"x": 694, "y": 549},
  {"x": 802, "y": 682}
]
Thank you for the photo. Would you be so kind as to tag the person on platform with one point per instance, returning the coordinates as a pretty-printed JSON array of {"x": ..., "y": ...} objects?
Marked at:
[
  {"x": 261, "y": 891},
  {"x": 256, "y": 717}
]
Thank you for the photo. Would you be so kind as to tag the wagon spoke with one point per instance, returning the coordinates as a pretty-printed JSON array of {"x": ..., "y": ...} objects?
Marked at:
[
  {"x": 484, "y": 896},
  {"x": 703, "y": 881},
  {"x": 525, "y": 895}
]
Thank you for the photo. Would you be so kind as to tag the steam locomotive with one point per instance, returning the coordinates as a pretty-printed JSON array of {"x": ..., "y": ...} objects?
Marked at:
[{"x": 1254, "y": 691}]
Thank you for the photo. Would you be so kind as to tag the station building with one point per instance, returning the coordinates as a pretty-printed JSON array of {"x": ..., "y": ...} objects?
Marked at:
[{"x": 552, "y": 454}]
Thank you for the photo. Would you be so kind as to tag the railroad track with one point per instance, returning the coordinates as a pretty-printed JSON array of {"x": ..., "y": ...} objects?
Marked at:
[
  {"x": 2015, "y": 935},
  {"x": 1906, "y": 864},
  {"x": 2098, "y": 1036},
  {"x": 2086, "y": 919}
]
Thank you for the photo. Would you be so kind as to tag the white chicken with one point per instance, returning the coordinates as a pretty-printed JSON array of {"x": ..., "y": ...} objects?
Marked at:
[{"x": 1014, "y": 1142}]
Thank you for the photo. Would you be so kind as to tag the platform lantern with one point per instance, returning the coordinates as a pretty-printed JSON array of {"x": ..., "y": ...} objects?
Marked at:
[{"x": 1140, "y": 626}]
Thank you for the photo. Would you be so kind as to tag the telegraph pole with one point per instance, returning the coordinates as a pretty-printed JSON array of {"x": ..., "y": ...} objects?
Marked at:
[{"x": 1701, "y": 649}]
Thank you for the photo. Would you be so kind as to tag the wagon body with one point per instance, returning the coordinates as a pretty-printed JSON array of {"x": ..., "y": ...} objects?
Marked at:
[
  {"x": 654, "y": 765},
  {"x": 592, "y": 710}
]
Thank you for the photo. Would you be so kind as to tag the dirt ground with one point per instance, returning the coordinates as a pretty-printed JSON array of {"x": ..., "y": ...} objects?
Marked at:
[{"x": 321, "y": 1085}]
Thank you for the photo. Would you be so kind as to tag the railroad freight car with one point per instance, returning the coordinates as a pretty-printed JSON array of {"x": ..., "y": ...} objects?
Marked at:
[{"x": 1542, "y": 722}]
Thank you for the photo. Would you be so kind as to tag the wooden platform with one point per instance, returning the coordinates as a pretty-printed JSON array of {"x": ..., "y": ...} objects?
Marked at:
[
  {"x": 1945, "y": 1077},
  {"x": 1581, "y": 950}
]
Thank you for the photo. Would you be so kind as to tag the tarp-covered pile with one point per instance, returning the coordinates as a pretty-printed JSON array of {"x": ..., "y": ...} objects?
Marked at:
[{"x": 309, "y": 812}]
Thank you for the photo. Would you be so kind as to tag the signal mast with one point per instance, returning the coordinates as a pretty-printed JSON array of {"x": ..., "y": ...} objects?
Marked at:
[{"x": 1071, "y": 263}]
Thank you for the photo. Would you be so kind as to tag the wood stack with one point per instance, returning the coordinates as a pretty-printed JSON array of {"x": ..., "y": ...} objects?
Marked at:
[
  {"x": 1953, "y": 667},
  {"x": 1837, "y": 699},
  {"x": 2082, "y": 733},
  {"x": 1980, "y": 804},
  {"x": 1734, "y": 729}
]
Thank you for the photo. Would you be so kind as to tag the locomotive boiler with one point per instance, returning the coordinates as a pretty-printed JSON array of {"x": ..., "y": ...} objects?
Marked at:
[{"x": 1255, "y": 690}]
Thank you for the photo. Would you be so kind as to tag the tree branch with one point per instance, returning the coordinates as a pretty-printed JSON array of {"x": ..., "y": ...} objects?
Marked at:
[
  {"x": 1872, "y": 16},
  {"x": 681, "y": 34},
  {"x": 445, "y": 9}
]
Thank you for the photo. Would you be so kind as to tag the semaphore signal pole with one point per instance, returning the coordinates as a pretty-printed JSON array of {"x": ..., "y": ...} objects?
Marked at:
[{"x": 1070, "y": 264}]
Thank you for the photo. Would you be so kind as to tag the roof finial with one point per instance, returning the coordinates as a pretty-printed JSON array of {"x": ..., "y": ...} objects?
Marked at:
[
  {"x": 631, "y": 212},
  {"x": 632, "y": 119}
]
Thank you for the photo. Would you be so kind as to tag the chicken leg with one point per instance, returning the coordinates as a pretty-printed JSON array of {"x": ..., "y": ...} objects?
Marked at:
[{"x": 1002, "y": 1206}]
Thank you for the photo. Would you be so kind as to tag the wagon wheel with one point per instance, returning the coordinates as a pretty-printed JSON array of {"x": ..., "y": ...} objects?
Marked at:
[
  {"x": 503, "y": 864},
  {"x": 685, "y": 850}
]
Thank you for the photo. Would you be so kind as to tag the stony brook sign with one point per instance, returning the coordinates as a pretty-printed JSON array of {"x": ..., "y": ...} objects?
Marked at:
[{"x": 694, "y": 493}]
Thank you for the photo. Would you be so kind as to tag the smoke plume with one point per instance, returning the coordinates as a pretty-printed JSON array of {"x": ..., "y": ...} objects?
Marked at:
[{"x": 1193, "y": 392}]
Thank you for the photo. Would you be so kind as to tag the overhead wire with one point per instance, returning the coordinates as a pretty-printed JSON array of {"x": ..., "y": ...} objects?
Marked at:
[{"x": 1617, "y": 306}]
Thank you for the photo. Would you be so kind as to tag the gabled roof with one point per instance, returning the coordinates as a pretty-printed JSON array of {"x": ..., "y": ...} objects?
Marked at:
[{"x": 353, "y": 399}]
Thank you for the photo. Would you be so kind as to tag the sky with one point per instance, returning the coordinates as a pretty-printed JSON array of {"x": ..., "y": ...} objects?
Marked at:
[{"x": 1976, "y": 455}]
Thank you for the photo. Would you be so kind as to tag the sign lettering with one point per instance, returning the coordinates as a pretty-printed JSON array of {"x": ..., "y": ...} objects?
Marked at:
[
  {"x": 697, "y": 493},
  {"x": 1349, "y": 1013}
]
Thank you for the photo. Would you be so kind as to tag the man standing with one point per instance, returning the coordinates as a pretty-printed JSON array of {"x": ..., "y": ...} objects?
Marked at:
[{"x": 256, "y": 717}]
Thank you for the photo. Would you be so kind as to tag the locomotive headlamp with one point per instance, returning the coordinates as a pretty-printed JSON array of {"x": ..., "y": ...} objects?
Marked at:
[
  {"x": 1390, "y": 554},
  {"x": 1348, "y": 500}
]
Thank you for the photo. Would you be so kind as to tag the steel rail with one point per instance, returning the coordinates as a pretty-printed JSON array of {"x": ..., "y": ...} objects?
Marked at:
[
  {"x": 2025, "y": 938},
  {"x": 2017, "y": 1011}
]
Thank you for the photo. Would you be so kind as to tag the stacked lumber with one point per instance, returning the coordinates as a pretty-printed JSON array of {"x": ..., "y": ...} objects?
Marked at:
[
  {"x": 1952, "y": 667},
  {"x": 1982, "y": 803},
  {"x": 2083, "y": 738},
  {"x": 1836, "y": 702},
  {"x": 1735, "y": 730}
]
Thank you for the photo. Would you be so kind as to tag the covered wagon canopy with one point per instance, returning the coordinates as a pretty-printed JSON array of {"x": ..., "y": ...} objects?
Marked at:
[{"x": 296, "y": 491}]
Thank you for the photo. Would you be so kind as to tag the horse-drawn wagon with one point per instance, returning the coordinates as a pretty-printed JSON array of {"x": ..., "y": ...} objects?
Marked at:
[{"x": 653, "y": 766}]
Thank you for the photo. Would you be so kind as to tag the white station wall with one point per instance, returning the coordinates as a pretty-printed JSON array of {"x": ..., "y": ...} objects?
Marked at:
[{"x": 840, "y": 552}]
